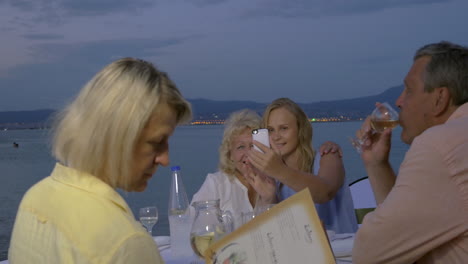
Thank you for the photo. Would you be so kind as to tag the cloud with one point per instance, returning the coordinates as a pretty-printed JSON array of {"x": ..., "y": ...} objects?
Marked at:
[
  {"x": 99, "y": 51},
  {"x": 63, "y": 68},
  {"x": 318, "y": 8},
  {"x": 80, "y": 7},
  {"x": 104, "y": 7},
  {"x": 39, "y": 36},
  {"x": 204, "y": 3},
  {"x": 24, "y": 5},
  {"x": 7, "y": 29},
  {"x": 58, "y": 11}
]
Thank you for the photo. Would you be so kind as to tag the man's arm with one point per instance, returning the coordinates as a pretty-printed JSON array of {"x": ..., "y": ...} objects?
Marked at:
[
  {"x": 375, "y": 155},
  {"x": 419, "y": 214},
  {"x": 382, "y": 179}
]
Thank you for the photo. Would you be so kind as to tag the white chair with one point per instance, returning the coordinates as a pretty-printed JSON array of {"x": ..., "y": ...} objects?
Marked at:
[{"x": 363, "y": 197}]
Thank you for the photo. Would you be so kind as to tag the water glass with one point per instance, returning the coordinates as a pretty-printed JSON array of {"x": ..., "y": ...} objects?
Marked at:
[
  {"x": 247, "y": 216},
  {"x": 262, "y": 208},
  {"x": 149, "y": 217}
]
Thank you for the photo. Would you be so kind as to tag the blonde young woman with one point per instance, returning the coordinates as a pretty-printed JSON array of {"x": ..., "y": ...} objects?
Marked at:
[
  {"x": 295, "y": 165},
  {"x": 113, "y": 135},
  {"x": 233, "y": 184}
]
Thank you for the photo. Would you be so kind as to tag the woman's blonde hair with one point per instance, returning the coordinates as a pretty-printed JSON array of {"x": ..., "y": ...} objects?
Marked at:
[
  {"x": 97, "y": 132},
  {"x": 304, "y": 128},
  {"x": 236, "y": 123}
]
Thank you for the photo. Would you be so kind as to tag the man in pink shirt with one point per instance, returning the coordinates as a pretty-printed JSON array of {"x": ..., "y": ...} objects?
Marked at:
[{"x": 422, "y": 214}]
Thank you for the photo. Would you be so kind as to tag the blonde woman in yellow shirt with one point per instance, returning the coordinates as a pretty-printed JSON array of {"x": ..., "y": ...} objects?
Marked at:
[{"x": 113, "y": 135}]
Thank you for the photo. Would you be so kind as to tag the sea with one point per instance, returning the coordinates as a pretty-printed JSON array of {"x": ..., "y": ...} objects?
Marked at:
[{"x": 193, "y": 148}]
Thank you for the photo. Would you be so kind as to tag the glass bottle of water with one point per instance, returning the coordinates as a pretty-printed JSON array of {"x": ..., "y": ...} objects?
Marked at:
[{"x": 180, "y": 221}]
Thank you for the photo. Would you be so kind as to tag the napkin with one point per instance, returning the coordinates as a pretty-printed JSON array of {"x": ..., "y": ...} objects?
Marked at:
[
  {"x": 331, "y": 235},
  {"x": 342, "y": 245},
  {"x": 162, "y": 241},
  {"x": 344, "y": 260}
]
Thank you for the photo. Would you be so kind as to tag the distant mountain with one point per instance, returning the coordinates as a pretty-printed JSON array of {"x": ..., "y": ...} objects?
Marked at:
[
  {"x": 359, "y": 107},
  {"x": 356, "y": 107},
  {"x": 209, "y": 109},
  {"x": 34, "y": 116}
]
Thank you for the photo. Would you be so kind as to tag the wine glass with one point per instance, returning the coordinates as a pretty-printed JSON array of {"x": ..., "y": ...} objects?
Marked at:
[
  {"x": 247, "y": 216},
  {"x": 262, "y": 208},
  {"x": 383, "y": 117},
  {"x": 149, "y": 217}
]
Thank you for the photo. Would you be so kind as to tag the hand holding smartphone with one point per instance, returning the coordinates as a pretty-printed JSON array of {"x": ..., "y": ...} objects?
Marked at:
[{"x": 261, "y": 135}]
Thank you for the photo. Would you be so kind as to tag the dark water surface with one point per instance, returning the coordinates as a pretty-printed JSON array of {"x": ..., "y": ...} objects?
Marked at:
[{"x": 194, "y": 148}]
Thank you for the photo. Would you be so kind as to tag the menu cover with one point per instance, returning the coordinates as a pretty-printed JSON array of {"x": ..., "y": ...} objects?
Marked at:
[{"x": 290, "y": 232}]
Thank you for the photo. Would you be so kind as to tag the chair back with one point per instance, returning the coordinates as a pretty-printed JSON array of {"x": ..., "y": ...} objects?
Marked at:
[{"x": 363, "y": 197}]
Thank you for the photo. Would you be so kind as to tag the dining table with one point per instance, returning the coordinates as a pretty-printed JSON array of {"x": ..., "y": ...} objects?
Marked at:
[{"x": 341, "y": 244}]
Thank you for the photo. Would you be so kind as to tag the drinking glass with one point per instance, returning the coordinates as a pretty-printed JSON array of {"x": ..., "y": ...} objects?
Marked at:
[
  {"x": 149, "y": 217},
  {"x": 247, "y": 216},
  {"x": 383, "y": 117},
  {"x": 262, "y": 208}
]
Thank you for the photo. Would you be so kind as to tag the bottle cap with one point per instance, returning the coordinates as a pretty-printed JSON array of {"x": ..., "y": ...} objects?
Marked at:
[{"x": 175, "y": 168}]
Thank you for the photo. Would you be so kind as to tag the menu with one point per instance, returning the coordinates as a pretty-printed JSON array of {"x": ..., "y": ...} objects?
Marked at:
[{"x": 290, "y": 232}]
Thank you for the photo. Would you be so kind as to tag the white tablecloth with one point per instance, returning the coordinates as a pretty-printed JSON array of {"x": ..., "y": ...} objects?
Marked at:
[
  {"x": 164, "y": 246},
  {"x": 342, "y": 245}
]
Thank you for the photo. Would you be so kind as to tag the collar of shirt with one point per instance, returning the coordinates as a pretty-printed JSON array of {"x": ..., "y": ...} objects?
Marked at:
[
  {"x": 89, "y": 183},
  {"x": 461, "y": 111}
]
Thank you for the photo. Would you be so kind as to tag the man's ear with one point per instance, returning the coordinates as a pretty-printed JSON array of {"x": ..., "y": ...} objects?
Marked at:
[{"x": 442, "y": 100}]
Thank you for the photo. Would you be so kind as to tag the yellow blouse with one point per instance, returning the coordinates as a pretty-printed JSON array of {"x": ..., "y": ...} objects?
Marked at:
[{"x": 74, "y": 217}]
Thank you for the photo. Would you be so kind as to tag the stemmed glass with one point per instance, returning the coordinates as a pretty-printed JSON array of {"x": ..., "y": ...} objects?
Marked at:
[
  {"x": 247, "y": 216},
  {"x": 262, "y": 208},
  {"x": 258, "y": 210},
  {"x": 149, "y": 217},
  {"x": 383, "y": 117}
]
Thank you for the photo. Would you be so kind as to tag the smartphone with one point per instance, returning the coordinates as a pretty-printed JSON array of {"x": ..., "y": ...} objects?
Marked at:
[{"x": 261, "y": 135}]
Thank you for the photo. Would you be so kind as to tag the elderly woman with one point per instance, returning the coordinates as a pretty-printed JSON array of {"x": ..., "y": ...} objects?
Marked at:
[
  {"x": 233, "y": 184},
  {"x": 113, "y": 135}
]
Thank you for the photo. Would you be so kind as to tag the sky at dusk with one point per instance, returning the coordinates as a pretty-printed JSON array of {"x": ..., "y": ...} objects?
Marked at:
[{"x": 257, "y": 50}]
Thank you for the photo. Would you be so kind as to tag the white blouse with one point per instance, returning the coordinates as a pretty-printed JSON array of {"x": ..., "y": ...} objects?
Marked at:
[{"x": 232, "y": 194}]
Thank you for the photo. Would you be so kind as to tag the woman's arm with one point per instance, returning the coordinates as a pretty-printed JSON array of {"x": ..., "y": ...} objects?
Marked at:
[
  {"x": 137, "y": 248},
  {"x": 264, "y": 186},
  {"x": 323, "y": 186},
  {"x": 332, "y": 171}
]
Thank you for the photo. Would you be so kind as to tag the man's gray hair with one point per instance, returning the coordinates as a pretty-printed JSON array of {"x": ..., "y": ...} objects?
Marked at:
[{"x": 448, "y": 67}]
